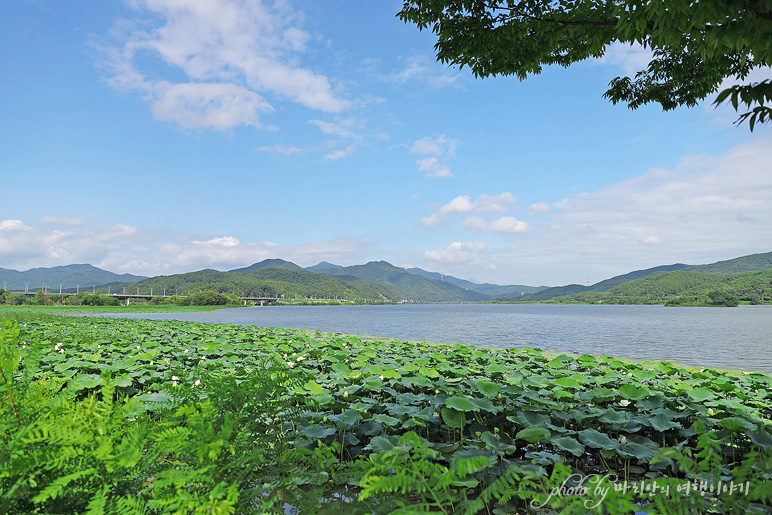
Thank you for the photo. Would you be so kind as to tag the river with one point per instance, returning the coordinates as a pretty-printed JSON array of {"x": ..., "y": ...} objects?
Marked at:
[{"x": 731, "y": 338}]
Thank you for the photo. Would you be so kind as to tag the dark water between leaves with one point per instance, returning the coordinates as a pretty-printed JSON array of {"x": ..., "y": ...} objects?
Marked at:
[{"x": 732, "y": 338}]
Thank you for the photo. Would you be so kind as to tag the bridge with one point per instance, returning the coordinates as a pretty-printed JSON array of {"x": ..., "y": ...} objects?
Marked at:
[{"x": 128, "y": 297}]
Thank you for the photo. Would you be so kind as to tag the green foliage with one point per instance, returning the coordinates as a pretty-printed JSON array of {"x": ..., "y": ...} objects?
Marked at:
[
  {"x": 722, "y": 298},
  {"x": 696, "y": 45},
  {"x": 138, "y": 416},
  {"x": 683, "y": 287}
]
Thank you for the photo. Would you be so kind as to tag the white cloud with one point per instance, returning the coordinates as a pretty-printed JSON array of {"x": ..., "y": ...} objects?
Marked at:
[
  {"x": 13, "y": 225},
  {"x": 123, "y": 248},
  {"x": 339, "y": 154},
  {"x": 706, "y": 209},
  {"x": 463, "y": 204},
  {"x": 540, "y": 208},
  {"x": 460, "y": 204},
  {"x": 438, "y": 146},
  {"x": 432, "y": 221},
  {"x": 630, "y": 58},
  {"x": 341, "y": 129},
  {"x": 223, "y": 241},
  {"x": 422, "y": 69},
  {"x": 230, "y": 52},
  {"x": 438, "y": 149},
  {"x": 219, "y": 106},
  {"x": 494, "y": 203},
  {"x": 284, "y": 150},
  {"x": 458, "y": 252},
  {"x": 58, "y": 220},
  {"x": 508, "y": 225},
  {"x": 433, "y": 167},
  {"x": 475, "y": 223}
]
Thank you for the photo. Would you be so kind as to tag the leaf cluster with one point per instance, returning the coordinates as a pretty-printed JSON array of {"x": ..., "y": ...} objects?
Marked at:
[{"x": 696, "y": 45}]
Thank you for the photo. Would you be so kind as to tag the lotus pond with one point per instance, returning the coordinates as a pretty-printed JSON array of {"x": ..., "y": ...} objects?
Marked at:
[{"x": 137, "y": 416}]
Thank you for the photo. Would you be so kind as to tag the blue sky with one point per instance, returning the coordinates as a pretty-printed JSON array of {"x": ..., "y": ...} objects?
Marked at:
[{"x": 165, "y": 136}]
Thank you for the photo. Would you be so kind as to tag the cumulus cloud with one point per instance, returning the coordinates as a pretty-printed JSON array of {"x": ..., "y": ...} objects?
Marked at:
[
  {"x": 539, "y": 208},
  {"x": 438, "y": 150},
  {"x": 475, "y": 223},
  {"x": 230, "y": 53},
  {"x": 631, "y": 58},
  {"x": 508, "y": 225},
  {"x": 219, "y": 106},
  {"x": 458, "y": 252},
  {"x": 22, "y": 245},
  {"x": 484, "y": 204},
  {"x": 13, "y": 225},
  {"x": 433, "y": 167},
  {"x": 58, "y": 220},
  {"x": 123, "y": 248},
  {"x": 705, "y": 209}
]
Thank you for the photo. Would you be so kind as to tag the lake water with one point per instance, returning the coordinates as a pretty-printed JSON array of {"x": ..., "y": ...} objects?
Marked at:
[{"x": 732, "y": 338}]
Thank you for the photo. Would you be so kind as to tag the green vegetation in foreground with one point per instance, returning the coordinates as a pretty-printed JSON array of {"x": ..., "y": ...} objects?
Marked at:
[
  {"x": 136, "y": 416},
  {"x": 679, "y": 288}
]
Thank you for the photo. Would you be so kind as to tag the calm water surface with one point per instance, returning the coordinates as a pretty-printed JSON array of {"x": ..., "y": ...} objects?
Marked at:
[{"x": 733, "y": 338}]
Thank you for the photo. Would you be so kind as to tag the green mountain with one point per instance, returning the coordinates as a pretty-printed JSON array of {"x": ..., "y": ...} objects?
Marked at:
[
  {"x": 638, "y": 274},
  {"x": 68, "y": 276},
  {"x": 263, "y": 282},
  {"x": 323, "y": 264},
  {"x": 682, "y": 287},
  {"x": 750, "y": 263},
  {"x": 403, "y": 285},
  {"x": 492, "y": 290},
  {"x": 270, "y": 263}
]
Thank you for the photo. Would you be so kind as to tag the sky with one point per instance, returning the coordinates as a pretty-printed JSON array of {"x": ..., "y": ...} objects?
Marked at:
[{"x": 156, "y": 137}]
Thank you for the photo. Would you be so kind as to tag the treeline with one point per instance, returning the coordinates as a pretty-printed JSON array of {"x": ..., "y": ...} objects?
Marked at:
[
  {"x": 203, "y": 298},
  {"x": 683, "y": 288},
  {"x": 265, "y": 282}
]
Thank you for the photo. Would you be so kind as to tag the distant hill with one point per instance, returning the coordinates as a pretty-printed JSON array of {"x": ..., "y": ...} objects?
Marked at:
[
  {"x": 493, "y": 290},
  {"x": 681, "y": 287},
  {"x": 638, "y": 274},
  {"x": 269, "y": 263},
  {"x": 263, "y": 281},
  {"x": 750, "y": 263},
  {"x": 406, "y": 286},
  {"x": 69, "y": 276},
  {"x": 323, "y": 264}
]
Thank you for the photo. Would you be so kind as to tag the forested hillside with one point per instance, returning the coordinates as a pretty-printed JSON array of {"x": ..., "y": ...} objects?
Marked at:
[
  {"x": 403, "y": 285},
  {"x": 682, "y": 287},
  {"x": 264, "y": 282}
]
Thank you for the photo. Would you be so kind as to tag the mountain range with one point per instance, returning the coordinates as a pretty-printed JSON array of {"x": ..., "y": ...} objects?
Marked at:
[
  {"x": 68, "y": 277},
  {"x": 374, "y": 281},
  {"x": 750, "y": 263}
]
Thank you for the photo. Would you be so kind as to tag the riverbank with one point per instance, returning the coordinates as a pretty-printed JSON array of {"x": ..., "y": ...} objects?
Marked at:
[{"x": 215, "y": 409}]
